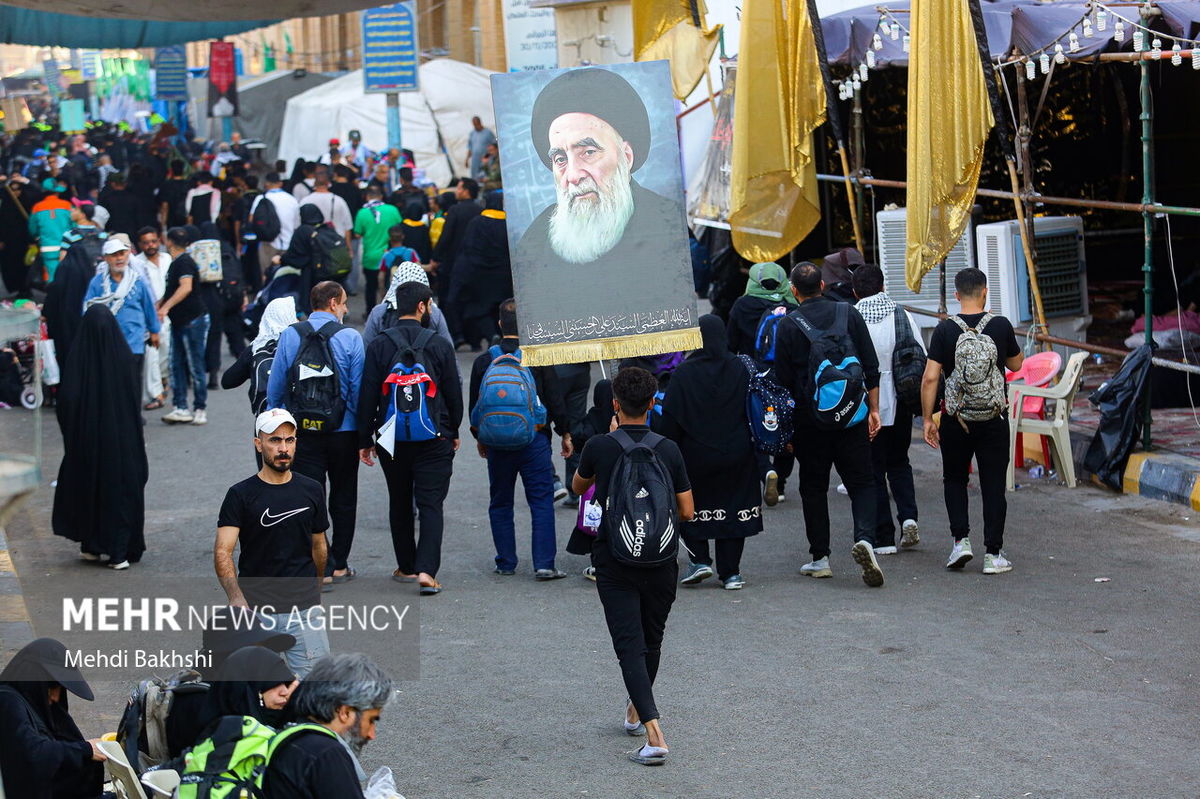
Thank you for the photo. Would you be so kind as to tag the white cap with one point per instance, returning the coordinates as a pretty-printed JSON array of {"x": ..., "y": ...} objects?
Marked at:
[
  {"x": 114, "y": 245},
  {"x": 268, "y": 421}
]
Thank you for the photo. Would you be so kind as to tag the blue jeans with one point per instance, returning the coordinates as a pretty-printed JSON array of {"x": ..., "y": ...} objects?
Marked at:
[
  {"x": 188, "y": 343},
  {"x": 312, "y": 641},
  {"x": 537, "y": 474}
]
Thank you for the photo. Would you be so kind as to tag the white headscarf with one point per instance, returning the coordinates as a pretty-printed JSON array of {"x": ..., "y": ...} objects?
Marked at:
[
  {"x": 404, "y": 272},
  {"x": 279, "y": 315}
]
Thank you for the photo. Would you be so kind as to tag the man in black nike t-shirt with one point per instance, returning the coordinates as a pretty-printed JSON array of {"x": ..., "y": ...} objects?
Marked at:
[{"x": 280, "y": 519}]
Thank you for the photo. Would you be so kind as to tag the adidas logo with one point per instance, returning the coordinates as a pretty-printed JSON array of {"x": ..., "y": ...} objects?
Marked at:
[{"x": 642, "y": 493}]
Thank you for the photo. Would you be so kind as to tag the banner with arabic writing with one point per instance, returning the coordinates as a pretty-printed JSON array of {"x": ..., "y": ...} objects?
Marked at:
[{"x": 593, "y": 195}]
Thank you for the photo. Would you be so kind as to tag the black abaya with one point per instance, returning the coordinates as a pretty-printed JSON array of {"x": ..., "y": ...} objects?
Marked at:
[
  {"x": 64, "y": 297},
  {"x": 100, "y": 499},
  {"x": 705, "y": 414},
  {"x": 43, "y": 755}
]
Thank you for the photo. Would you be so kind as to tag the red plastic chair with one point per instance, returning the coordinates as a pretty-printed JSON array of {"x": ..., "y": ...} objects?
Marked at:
[{"x": 1037, "y": 370}]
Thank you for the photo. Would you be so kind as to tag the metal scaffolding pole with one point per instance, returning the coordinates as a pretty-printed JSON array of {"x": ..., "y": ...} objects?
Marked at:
[{"x": 1147, "y": 117}]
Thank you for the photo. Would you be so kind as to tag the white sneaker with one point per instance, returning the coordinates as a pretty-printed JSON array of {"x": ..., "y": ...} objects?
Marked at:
[
  {"x": 200, "y": 417},
  {"x": 817, "y": 568},
  {"x": 996, "y": 564},
  {"x": 960, "y": 554},
  {"x": 782, "y": 497},
  {"x": 841, "y": 489},
  {"x": 122, "y": 566},
  {"x": 590, "y": 573},
  {"x": 910, "y": 534},
  {"x": 891, "y": 550},
  {"x": 771, "y": 490},
  {"x": 864, "y": 555},
  {"x": 179, "y": 416}
]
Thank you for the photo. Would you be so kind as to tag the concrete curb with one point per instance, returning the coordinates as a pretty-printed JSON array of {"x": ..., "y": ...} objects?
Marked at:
[
  {"x": 1160, "y": 475},
  {"x": 16, "y": 629}
]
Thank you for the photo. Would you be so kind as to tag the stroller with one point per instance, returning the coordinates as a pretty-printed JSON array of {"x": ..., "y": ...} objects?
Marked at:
[
  {"x": 19, "y": 370},
  {"x": 284, "y": 282}
]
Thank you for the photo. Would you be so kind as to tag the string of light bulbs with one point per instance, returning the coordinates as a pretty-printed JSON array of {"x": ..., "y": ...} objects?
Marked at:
[{"x": 1096, "y": 18}]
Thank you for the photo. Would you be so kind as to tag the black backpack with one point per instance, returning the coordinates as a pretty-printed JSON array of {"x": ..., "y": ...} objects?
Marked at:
[
  {"x": 314, "y": 390},
  {"x": 264, "y": 221},
  {"x": 333, "y": 259},
  {"x": 201, "y": 209},
  {"x": 908, "y": 365},
  {"x": 837, "y": 384},
  {"x": 260, "y": 373},
  {"x": 640, "y": 514}
]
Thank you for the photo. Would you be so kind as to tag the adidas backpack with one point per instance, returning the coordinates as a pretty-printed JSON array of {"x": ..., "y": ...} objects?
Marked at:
[
  {"x": 314, "y": 390},
  {"x": 408, "y": 387},
  {"x": 908, "y": 365},
  {"x": 228, "y": 763},
  {"x": 835, "y": 375},
  {"x": 767, "y": 334},
  {"x": 975, "y": 389},
  {"x": 640, "y": 513},
  {"x": 508, "y": 414},
  {"x": 769, "y": 409}
]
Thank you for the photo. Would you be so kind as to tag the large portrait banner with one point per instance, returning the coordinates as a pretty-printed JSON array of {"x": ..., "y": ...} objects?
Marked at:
[{"x": 593, "y": 195}]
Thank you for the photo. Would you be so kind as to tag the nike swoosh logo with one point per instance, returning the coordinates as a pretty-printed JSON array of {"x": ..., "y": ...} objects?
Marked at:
[{"x": 269, "y": 520}]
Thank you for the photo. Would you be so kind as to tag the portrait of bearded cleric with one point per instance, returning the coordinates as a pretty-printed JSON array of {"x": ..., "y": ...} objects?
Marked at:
[{"x": 596, "y": 252}]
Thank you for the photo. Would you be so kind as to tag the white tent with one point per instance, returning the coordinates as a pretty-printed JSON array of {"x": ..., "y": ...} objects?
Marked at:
[{"x": 439, "y": 114}]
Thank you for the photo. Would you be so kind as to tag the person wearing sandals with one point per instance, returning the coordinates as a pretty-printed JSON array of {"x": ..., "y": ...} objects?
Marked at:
[
  {"x": 278, "y": 518},
  {"x": 636, "y": 599},
  {"x": 704, "y": 412}
]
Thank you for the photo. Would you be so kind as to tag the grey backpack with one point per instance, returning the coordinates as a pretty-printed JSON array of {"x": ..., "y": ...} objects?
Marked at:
[{"x": 975, "y": 390}]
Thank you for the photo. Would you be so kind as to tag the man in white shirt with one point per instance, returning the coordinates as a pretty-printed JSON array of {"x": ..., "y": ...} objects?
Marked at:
[
  {"x": 889, "y": 449},
  {"x": 288, "y": 211},
  {"x": 151, "y": 264},
  {"x": 203, "y": 203},
  {"x": 331, "y": 206}
]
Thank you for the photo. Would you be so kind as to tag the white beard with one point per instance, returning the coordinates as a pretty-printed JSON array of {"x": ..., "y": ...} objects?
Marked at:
[{"x": 580, "y": 233}]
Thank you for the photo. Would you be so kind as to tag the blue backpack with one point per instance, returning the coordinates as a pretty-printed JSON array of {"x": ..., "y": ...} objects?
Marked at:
[
  {"x": 408, "y": 387},
  {"x": 508, "y": 414},
  {"x": 767, "y": 335},
  {"x": 769, "y": 410},
  {"x": 835, "y": 375}
]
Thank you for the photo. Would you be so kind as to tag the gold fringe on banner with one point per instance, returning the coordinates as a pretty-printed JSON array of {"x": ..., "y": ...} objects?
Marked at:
[{"x": 603, "y": 349}]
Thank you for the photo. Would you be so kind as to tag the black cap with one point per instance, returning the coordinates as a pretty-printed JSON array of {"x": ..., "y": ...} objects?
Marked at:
[{"x": 601, "y": 93}]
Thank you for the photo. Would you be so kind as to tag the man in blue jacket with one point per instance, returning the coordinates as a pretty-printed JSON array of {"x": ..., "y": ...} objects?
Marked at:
[
  {"x": 332, "y": 455},
  {"x": 131, "y": 302}
]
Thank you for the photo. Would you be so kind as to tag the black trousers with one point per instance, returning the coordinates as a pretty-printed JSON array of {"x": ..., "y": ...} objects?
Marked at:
[
  {"x": 334, "y": 456},
  {"x": 988, "y": 443},
  {"x": 889, "y": 460},
  {"x": 850, "y": 451},
  {"x": 139, "y": 363},
  {"x": 370, "y": 288},
  {"x": 729, "y": 554},
  {"x": 636, "y": 605},
  {"x": 419, "y": 472},
  {"x": 224, "y": 318},
  {"x": 575, "y": 380}
]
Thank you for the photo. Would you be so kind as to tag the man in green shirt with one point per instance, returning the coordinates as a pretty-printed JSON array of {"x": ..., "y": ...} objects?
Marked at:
[{"x": 371, "y": 224}]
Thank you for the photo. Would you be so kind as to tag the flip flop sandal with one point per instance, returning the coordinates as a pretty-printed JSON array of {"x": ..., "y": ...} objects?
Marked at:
[
  {"x": 404, "y": 578},
  {"x": 430, "y": 590},
  {"x": 656, "y": 759},
  {"x": 153, "y": 405},
  {"x": 347, "y": 577}
]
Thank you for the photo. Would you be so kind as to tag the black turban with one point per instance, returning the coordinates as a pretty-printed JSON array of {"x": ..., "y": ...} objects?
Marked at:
[{"x": 601, "y": 93}]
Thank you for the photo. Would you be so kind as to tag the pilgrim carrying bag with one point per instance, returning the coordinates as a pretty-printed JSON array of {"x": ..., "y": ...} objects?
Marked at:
[
  {"x": 314, "y": 390},
  {"x": 640, "y": 511}
]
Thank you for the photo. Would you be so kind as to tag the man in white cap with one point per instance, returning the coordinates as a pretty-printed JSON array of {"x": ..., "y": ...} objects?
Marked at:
[
  {"x": 131, "y": 302},
  {"x": 279, "y": 519}
]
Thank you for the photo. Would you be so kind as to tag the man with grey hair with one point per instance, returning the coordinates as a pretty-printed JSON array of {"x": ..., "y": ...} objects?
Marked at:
[{"x": 338, "y": 705}]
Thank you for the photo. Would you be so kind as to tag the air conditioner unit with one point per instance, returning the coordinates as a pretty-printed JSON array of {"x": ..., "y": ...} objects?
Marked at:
[
  {"x": 891, "y": 227},
  {"x": 1058, "y": 244}
]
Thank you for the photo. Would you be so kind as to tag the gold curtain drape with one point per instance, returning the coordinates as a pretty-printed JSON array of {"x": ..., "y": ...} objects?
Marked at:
[
  {"x": 778, "y": 102},
  {"x": 949, "y": 119},
  {"x": 666, "y": 30}
]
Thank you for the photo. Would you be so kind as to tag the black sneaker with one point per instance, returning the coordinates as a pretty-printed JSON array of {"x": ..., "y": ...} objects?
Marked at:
[{"x": 505, "y": 572}]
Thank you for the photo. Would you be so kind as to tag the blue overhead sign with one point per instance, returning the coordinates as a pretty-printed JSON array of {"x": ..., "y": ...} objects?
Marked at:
[
  {"x": 170, "y": 73},
  {"x": 390, "y": 53}
]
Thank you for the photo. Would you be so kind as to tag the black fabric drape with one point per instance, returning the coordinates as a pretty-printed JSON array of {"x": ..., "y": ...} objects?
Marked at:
[
  {"x": 707, "y": 394},
  {"x": 64, "y": 298},
  {"x": 100, "y": 499}
]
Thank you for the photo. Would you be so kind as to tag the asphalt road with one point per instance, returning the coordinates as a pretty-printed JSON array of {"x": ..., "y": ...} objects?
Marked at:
[{"x": 1039, "y": 683}]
